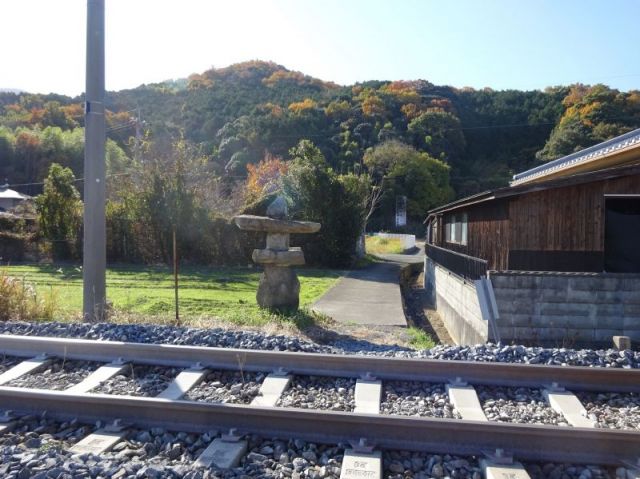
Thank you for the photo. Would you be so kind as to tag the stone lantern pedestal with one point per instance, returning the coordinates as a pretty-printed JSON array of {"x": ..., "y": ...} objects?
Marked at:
[{"x": 279, "y": 288}]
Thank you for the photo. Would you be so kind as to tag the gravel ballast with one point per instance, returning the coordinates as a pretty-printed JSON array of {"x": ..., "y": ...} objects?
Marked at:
[
  {"x": 517, "y": 405},
  {"x": 414, "y": 398},
  {"x": 612, "y": 410},
  {"x": 146, "y": 381},
  {"x": 227, "y": 387},
  {"x": 256, "y": 340},
  {"x": 59, "y": 375},
  {"x": 403, "y": 464},
  {"x": 316, "y": 392},
  {"x": 570, "y": 471},
  {"x": 38, "y": 448}
]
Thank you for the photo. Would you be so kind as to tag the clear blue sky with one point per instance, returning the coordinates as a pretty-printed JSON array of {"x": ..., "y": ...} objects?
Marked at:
[{"x": 501, "y": 44}]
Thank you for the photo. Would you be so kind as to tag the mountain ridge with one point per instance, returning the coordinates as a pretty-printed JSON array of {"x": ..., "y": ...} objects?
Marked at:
[{"x": 239, "y": 113}]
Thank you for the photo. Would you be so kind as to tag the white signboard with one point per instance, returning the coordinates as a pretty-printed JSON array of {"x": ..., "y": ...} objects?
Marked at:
[{"x": 401, "y": 210}]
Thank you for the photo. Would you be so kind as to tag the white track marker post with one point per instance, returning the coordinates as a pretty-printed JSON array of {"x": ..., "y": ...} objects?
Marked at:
[
  {"x": 94, "y": 262},
  {"x": 501, "y": 466},
  {"x": 465, "y": 400},
  {"x": 100, "y": 375},
  {"x": 567, "y": 404},
  {"x": 361, "y": 462},
  {"x": 183, "y": 382},
  {"x": 271, "y": 389},
  {"x": 25, "y": 367},
  {"x": 224, "y": 452}
]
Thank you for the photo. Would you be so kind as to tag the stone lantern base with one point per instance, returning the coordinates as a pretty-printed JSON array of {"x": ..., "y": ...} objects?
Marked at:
[{"x": 279, "y": 289}]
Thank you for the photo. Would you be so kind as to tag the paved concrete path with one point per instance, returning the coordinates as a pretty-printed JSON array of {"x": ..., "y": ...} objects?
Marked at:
[{"x": 371, "y": 295}]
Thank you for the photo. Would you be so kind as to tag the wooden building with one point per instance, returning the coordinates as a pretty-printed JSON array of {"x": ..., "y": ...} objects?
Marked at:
[
  {"x": 552, "y": 259},
  {"x": 583, "y": 217}
]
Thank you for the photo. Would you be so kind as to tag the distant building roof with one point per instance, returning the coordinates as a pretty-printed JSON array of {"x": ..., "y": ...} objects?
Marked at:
[
  {"x": 613, "y": 152},
  {"x": 8, "y": 194}
]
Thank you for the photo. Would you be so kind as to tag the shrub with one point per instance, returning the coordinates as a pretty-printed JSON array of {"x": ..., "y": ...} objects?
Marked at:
[
  {"x": 20, "y": 301},
  {"x": 12, "y": 246},
  {"x": 60, "y": 212},
  {"x": 336, "y": 201}
]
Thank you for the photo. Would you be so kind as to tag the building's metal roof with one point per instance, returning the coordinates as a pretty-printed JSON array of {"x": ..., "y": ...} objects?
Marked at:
[
  {"x": 630, "y": 139},
  {"x": 509, "y": 191},
  {"x": 7, "y": 194}
]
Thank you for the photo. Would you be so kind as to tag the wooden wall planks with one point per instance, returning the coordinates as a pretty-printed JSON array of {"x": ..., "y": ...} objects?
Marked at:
[{"x": 569, "y": 219}]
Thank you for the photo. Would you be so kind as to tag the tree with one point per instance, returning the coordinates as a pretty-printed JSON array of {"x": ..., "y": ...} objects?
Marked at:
[
  {"x": 317, "y": 193},
  {"x": 60, "y": 212},
  {"x": 424, "y": 181},
  {"x": 439, "y": 133},
  {"x": 592, "y": 114},
  {"x": 265, "y": 178},
  {"x": 398, "y": 169},
  {"x": 381, "y": 159},
  {"x": 173, "y": 185}
]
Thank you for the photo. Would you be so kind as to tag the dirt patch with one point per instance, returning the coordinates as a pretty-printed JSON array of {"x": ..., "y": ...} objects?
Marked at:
[
  {"x": 337, "y": 334},
  {"x": 416, "y": 308}
]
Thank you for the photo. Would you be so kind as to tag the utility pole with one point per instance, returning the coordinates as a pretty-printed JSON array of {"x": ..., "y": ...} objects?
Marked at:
[{"x": 94, "y": 246}]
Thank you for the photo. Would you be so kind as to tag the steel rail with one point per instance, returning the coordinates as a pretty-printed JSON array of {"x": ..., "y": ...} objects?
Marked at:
[
  {"x": 337, "y": 365},
  {"x": 530, "y": 442}
]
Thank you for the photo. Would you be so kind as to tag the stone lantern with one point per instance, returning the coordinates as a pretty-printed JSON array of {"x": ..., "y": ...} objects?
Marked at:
[{"x": 279, "y": 288}]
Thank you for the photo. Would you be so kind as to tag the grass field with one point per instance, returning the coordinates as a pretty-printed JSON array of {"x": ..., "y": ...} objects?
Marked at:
[
  {"x": 225, "y": 293},
  {"x": 378, "y": 245}
]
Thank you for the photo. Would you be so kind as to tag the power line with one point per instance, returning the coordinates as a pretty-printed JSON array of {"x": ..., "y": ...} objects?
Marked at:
[{"x": 40, "y": 183}]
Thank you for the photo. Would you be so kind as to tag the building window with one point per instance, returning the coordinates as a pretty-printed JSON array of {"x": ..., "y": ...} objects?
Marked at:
[
  {"x": 450, "y": 229},
  {"x": 456, "y": 228}
]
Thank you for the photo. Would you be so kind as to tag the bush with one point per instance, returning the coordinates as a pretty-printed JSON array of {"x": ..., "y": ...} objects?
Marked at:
[
  {"x": 223, "y": 243},
  {"x": 338, "y": 202},
  {"x": 19, "y": 301},
  {"x": 211, "y": 240},
  {"x": 12, "y": 246},
  {"x": 60, "y": 213},
  {"x": 17, "y": 237}
]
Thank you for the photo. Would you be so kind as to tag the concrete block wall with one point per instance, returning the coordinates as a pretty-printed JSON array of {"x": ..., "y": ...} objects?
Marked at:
[
  {"x": 457, "y": 302},
  {"x": 566, "y": 308}
]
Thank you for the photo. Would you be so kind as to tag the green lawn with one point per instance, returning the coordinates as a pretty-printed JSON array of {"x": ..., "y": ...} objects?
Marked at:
[{"x": 226, "y": 293}]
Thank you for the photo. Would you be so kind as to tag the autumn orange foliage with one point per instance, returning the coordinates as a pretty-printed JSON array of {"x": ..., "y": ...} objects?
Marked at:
[
  {"x": 264, "y": 178},
  {"x": 373, "y": 105},
  {"x": 303, "y": 106}
]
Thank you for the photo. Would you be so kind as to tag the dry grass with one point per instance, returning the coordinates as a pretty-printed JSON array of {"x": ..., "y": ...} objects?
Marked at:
[
  {"x": 378, "y": 245},
  {"x": 20, "y": 301}
]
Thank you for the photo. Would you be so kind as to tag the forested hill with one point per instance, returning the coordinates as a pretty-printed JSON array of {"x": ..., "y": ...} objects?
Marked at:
[{"x": 240, "y": 113}]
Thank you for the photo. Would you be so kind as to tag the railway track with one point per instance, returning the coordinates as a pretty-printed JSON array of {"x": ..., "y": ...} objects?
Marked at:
[{"x": 368, "y": 431}]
